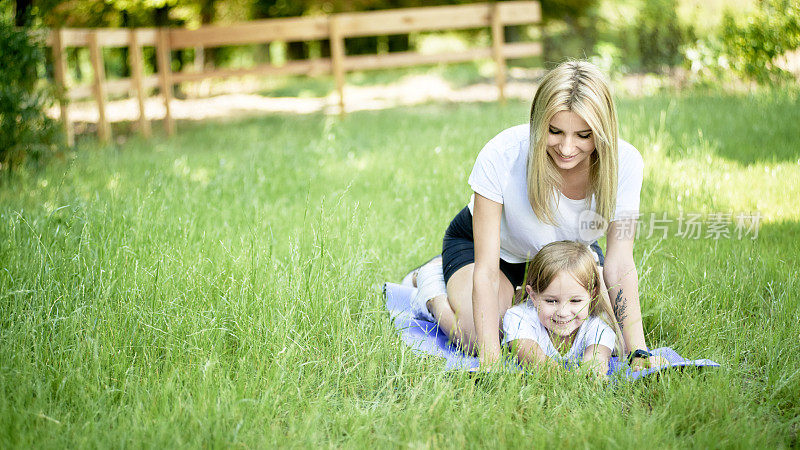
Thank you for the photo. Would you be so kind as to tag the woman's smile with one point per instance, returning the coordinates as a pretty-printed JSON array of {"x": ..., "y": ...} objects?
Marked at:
[
  {"x": 566, "y": 158},
  {"x": 570, "y": 140}
]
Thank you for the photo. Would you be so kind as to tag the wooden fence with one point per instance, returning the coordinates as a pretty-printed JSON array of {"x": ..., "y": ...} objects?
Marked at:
[{"x": 335, "y": 27}]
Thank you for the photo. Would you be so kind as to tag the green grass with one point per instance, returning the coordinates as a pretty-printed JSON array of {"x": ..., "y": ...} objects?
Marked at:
[{"x": 222, "y": 288}]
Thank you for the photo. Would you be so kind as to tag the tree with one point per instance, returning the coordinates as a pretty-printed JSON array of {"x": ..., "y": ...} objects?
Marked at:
[
  {"x": 660, "y": 35},
  {"x": 580, "y": 31},
  {"x": 22, "y": 14},
  {"x": 25, "y": 130},
  {"x": 754, "y": 48}
]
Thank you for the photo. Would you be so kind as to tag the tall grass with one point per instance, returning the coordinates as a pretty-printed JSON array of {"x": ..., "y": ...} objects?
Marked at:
[{"x": 222, "y": 287}]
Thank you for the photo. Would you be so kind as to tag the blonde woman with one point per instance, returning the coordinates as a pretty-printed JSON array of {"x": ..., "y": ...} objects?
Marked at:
[{"x": 533, "y": 184}]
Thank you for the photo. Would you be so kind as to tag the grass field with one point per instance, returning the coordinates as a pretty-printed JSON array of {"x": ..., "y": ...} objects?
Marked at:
[{"x": 222, "y": 288}]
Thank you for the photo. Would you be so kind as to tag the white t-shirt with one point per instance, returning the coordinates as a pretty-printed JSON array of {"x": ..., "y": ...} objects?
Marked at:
[
  {"x": 522, "y": 322},
  {"x": 500, "y": 174}
]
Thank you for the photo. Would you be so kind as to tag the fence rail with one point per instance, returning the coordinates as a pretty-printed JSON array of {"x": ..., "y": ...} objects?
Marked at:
[{"x": 335, "y": 28}]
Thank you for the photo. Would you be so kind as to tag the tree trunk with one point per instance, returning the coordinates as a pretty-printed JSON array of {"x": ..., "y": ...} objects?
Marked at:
[
  {"x": 207, "y": 16},
  {"x": 22, "y": 14},
  {"x": 124, "y": 51},
  {"x": 161, "y": 16},
  {"x": 161, "y": 19}
]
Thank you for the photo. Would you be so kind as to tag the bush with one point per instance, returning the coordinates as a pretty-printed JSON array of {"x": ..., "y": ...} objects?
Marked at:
[
  {"x": 660, "y": 35},
  {"x": 754, "y": 47},
  {"x": 570, "y": 28},
  {"x": 706, "y": 62},
  {"x": 26, "y": 133},
  {"x": 608, "y": 57}
]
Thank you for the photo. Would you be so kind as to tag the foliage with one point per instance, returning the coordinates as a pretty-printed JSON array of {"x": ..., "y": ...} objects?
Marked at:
[
  {"x": 570, "y": 28},
  {"x": 643, "y": 36},
  {"x": 609, "y": 58},
  {"x": 25, "y": 130},
  {"x": 7, "y": 11},
  {"x": 660, "y": 35},
  {"x": 755, "y": 46},
  {"x": 616, "y": 49},
  {"x": 706, "y": 62}
]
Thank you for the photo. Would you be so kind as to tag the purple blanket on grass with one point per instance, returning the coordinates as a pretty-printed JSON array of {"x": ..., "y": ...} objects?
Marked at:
[{"x": 425, "y": 338}]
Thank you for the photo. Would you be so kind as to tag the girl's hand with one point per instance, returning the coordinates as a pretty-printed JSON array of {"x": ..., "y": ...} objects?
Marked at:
[
  {"x": 595, "y": 362},
  {"x": 648, "y": 363},
  {"x": 488, "y": 360},
  {"x": 595, "y": 371},
  {"x": 528, "y": 353},
  {"x": 600, "y": 379}
]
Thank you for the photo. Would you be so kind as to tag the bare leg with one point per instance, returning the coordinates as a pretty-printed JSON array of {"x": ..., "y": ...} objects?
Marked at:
[{"x": 454, "y": 311}]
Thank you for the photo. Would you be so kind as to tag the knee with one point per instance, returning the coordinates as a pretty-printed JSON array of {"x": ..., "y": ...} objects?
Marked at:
[
  {"x": 459, "y": 289},
  {"x": 439, "y": 305}
]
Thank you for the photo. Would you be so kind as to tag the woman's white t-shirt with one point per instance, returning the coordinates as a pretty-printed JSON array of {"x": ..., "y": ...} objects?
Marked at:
[
  {"x": 500, "y": 174},
  {"x": 522, "y": 322}
]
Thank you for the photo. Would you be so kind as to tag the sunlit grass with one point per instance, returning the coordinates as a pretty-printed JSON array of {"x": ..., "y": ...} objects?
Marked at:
[{"x": 222, "y": 287}]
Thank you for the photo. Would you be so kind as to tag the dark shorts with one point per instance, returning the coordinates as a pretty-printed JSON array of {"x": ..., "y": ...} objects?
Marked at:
[{"x": 458, "y": 250}]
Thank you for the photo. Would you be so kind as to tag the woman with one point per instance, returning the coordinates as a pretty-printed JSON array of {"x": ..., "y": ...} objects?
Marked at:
[{"x": 534, "y": 185}]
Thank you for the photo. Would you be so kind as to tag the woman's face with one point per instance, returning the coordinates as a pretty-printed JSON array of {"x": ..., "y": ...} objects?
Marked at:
[{"x": 570, "y": 141}]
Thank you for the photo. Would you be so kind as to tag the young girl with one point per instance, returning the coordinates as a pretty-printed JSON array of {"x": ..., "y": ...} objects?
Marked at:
[{"x": 567, "y": 315}]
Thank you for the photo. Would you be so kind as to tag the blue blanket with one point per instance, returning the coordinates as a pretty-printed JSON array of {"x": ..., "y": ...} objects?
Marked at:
[{"x": 425, "y": 338}]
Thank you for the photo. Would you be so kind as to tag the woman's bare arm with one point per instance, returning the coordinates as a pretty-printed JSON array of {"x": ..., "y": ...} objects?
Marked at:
[
  {"x": 486, "y": 278},
  {"x": 622, "y": 281}
]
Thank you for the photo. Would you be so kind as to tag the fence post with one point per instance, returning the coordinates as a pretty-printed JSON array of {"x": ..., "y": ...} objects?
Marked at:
[
  {"x": 337, "y": 57},
  {"x": 135, "y": 60},
  {"x": 498, "y": 41},
  {"x": 96, "y": 55},
  {"x": 199, "y": 65},
  {"x": 163, "y": 54},
  {"x": 199, "y": 58},
  {"x": 59, "y": 74}
]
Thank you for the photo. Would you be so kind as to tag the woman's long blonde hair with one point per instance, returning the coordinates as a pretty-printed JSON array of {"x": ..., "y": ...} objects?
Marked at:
[
  {"x": 577, "y": 260},
  {"x": 579, "y": 87}
]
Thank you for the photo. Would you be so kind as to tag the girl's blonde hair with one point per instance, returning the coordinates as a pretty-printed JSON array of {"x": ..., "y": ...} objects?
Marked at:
[
  {"x": 579, "y": 87},
  {"x": 577, "y": 260}
]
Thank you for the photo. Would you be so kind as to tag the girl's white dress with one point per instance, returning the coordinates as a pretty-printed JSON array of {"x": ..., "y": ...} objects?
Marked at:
[{"x": 522, "y": 322}]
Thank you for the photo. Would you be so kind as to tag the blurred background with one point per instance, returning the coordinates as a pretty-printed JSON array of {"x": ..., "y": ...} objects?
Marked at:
[
  {"x": 698, "y": 41},
  {"x": 646, "y": 47}
]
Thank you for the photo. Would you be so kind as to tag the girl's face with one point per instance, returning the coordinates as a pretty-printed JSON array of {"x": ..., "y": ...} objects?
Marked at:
[
  {"x": 563, "y": 306},
  {"x": 570, "y": 140}
]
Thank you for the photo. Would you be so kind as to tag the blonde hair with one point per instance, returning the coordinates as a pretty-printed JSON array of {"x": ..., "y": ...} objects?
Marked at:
[
  {"x": 577, "y": 260},
  {"x": 579, "y": 87}
]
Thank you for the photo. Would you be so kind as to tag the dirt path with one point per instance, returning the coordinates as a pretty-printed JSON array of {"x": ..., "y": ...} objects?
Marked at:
[{"x": 411, "y": 90}]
